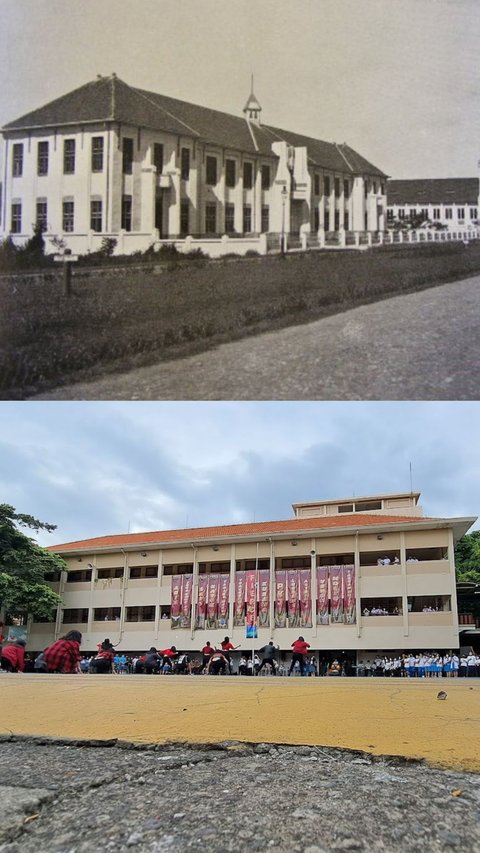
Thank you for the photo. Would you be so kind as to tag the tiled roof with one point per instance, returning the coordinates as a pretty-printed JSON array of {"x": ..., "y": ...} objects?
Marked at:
[
  {"x": 229, "y": 531},
  {"x": 111, "y": 99},
  {"x": 433, "y": 191}
]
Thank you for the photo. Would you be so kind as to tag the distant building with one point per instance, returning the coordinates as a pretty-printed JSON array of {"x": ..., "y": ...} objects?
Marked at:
[
  {"x": 112, "y": 160},
  {"x": 451, "y": 202},
  {"x": 356, "y": 575}
]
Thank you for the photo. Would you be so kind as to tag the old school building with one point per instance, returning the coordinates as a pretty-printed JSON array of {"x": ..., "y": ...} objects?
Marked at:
[
  {"x": 450, "y": 202},
  {"x": 112, "y": 160},
  {"x": 357, "y": 575}
]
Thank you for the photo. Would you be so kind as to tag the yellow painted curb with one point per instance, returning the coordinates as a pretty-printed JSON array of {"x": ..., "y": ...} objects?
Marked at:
[{"x": 379, "y": 716}]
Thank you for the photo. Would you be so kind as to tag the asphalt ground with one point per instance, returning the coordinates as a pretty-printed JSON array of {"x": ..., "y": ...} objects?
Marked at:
[
  {"x": 420, "y": 346},
  {"x": 173, "y": 763}
]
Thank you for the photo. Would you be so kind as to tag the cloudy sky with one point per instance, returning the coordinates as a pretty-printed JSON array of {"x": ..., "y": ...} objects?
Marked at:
[
  {"x": 98, "y": 468},
  {"x": 397, "y": 79}
]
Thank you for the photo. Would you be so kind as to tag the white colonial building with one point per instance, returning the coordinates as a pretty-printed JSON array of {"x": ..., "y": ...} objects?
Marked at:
[
  {"x": 112, "y": 160},
  {"x": 449, "y": 202},
  {"x": 356, "y": 575}
]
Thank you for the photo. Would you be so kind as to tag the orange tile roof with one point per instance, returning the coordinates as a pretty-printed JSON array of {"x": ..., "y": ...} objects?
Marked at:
[{"x": 262, "y": 528}]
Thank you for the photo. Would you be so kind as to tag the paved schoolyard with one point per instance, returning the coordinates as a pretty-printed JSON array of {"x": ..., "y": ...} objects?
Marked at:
[{"x": 379, "y": 716}]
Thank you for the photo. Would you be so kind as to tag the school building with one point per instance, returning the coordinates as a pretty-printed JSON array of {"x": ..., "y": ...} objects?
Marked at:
[
  {"x": 355, "y": 575},
  {"x": 109, "y": 160},
  {"x": 449, "y": 202}
]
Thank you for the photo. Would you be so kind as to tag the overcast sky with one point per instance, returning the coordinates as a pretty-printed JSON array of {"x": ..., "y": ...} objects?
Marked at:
[
  {"x": 396, "y": 79},
  {"x": 102, "y": 468}
]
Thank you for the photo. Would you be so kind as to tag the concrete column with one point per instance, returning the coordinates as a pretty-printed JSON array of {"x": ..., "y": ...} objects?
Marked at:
[
  {"x": 403, "y": 566},
  {"x": 231, "y": 594},
  {"x": 174, "y": 209},
  {"x": 148, "y": 195},
  {"x": 321, "y": 237},
  {"x": 257, "y": 201},
  {"x": 356, "y": 559}
]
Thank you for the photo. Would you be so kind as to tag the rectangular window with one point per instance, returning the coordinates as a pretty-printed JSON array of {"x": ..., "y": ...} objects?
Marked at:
[
  {"x": 109, "y": 574},
  {"x": 448, "y": 213},
  {"x": 68, "y": 216},
  {"x": 184, "y": 217},
  {"x": 141, "y": 614},
  {"x": 424, "y": 213},
  {"x": 316, "y": 219},
  {"x": 211, "y": 171},
  {"x": 247, "y": 218},
  {"x": 158, "y": 157},
  {"x": 316, "y": 184},
  {"x": 127, "y": 155},
  {"x": 229, "y": 218},
  {"x": 75, "y": 616},
  {"x": 390, "y": 215},
  {"x": 96, "y": 215},
  {"x": 68, "y": 156},
  {"x": 346, "y": 189},
  {"x": 127, "y": 212},
  {"x": 265, "y": 219},
  {"x": 473, "y": 213},
  {"x": 346, "y": 220},
  {"x": 265, "y": 177},
  {"x": 461, "y": 213},
  {"x": 247, "y": 176},
  {"x": 185, "y": 164},
  {"x": 401, "y": 213},
  {"x": 337, "y": 220},
  {"x": 337, "y": 187},
  {"x": 210, "y": 218},
  {"x": 41, "y": 215},
  {"x": 436, "y": 213},
  {"x": 230, "y": 170},
  {"x": 80, "y": 576},
  {"x": 326, "y": 185},
  {"x": 374, "y": 187},
  {"x": 16, "y": 224},
  {"x": 42, "y": 158},
  {"x": 97, "y": 154},
  {"x": 17, "y": 162}
]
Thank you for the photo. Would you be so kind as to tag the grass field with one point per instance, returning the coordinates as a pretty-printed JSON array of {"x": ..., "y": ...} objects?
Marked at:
[{"x": 117, "y": 319}]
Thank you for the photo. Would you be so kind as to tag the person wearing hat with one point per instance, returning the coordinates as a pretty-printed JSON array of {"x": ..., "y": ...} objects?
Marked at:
[{"x": 12, "y": 658}]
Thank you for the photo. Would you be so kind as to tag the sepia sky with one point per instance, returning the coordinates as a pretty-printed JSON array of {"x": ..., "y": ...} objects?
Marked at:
[
  {"x": 397, "y": 79},
  {"x": 96, "y": 468}
]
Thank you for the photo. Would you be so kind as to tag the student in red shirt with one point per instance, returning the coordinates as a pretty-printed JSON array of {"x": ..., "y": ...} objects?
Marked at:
[
  {"x": 12, "y": 658},
  {"x": 103, "y": 660},
  {"x": 227, "y": 647},
  {"x": 207, "y": 652},
  {"x": 300, "y": 648},
  {"x": 168, "y": 655},
  {"x": 64, "y": 654}
]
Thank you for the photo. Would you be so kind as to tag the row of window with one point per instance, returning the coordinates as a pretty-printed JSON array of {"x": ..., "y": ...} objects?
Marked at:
[
  {"x": 367, "y": 558},
  {"x": 69, "y": 152},
  {"x": 436, "y": 213}
]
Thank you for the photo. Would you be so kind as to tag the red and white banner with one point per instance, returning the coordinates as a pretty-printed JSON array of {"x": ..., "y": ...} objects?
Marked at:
[
  {"x": 280, "y": 599},
  {"x": 212, "y": 601},
  {"x": 264, "y": 598},
  {"x": 223, "y": 596},
  {"x": 201, "y": 608},
  {"x": 322, "y": 595},
  {"x": 251, "y": 597},
  {"x": 349, "y": 594},
  {"x": 293, "y": 601},
  {"x": 305, "y": 598},
  {"x": 239, "y": 608},
  {"x": 176, "y": 600},
  {"x": 336, "y": 593},
  {"x": 187, "y": 586}
]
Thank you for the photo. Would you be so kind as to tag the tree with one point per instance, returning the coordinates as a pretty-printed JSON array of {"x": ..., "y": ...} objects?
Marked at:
[
  {"x": 467, "y": 557},
  {"x": 23, "y": 566}
]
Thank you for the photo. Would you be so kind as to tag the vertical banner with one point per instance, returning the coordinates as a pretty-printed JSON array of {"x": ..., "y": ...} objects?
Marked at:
[
  {"x": 201, "y": 608},
  {"x": 264, "y": 598},
  {"x": 322, "y": 595},
  {"x": 223, "y": 590},
  {"x": 349, "y": 594},
  {"x": 336, "y": 593},
  {"x": 212, "y": 602},
  {"x": 251, "y": 598},
  {"x": 293, "y": 602},
  {"x": 187, "y": 587},
  {"x": 176, "y": 600},
  {"x": 280, "y": 599},
  {"x": 305, "y": 598},
  {"x": 239, "y": 609}
]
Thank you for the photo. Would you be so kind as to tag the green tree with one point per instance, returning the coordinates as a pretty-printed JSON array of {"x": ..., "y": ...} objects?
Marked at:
[
  {"x": 467, "y": 557},
  {"x": 23, "y": 566}
]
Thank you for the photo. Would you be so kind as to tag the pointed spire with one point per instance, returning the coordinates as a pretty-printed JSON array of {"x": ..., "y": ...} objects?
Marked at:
[{"x": 252, "y": 108}]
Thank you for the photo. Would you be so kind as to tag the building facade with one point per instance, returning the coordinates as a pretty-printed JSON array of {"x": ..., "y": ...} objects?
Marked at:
[
  {"x": 357, "y": 575},
  {"x": 449, "y": 202},
  {"x": 111, "y": 160}
]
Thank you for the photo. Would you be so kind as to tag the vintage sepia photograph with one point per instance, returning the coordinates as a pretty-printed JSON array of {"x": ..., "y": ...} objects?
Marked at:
[{"x": 242, "y": 200}]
